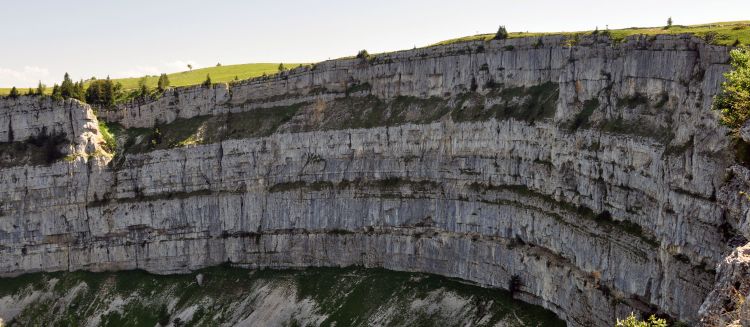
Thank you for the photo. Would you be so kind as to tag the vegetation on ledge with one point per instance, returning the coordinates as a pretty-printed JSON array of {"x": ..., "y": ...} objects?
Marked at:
[{"x": 227, "y": 296}]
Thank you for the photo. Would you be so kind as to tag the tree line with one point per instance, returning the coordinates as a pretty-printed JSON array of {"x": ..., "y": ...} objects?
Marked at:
[{"x": 103, "y": 93}]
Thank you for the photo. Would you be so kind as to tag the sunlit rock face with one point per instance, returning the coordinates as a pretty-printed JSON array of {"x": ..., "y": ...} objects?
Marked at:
[{"x": 586, "y": 175}]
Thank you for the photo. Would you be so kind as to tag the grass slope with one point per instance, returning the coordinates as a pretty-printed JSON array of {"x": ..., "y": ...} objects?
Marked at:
[
  {"x": 726, "y": 33},
  {"x": 197, "y": 76}
]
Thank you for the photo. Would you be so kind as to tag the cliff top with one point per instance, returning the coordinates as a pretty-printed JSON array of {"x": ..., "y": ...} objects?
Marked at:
[{"x": 721, "y": 33}]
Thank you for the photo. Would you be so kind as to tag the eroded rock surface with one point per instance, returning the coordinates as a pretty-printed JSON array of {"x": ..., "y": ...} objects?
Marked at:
[{"x": 587, "y": 176}]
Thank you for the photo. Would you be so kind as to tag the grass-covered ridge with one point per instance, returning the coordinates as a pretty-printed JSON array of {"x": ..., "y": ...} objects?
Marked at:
[
  {"x": 312, "y": 296},
  {"x": 724, "y": 33},
  {"x": 721, "y": 33},
  {"x": 218, "y": 74}
]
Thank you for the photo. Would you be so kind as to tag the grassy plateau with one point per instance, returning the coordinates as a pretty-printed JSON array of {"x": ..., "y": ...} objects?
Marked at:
[{"x": 194, "y": 77}]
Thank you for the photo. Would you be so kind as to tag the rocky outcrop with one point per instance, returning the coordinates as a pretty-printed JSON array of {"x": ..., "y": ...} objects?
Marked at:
[{"x": 585, "y": 174}]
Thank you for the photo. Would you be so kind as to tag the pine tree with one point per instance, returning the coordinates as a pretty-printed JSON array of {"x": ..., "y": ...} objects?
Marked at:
[
  {"x": 14, "y": 93},
  {"x": 30, "y": 92},
  {"x": 207, "y": 83},
  {"x": 143, "y": 90},
  {"x": 57, "y": 92},
  {"x": 67, "y": 88},
  {"x": 502, "y": 33},
  {"x": 79, "y": 92},
  {"x": 41, "y": 88},
  {"x": 281, "y": 67}
]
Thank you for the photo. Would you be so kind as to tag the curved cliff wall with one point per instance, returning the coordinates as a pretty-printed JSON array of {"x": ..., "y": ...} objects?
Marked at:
[{"x": 586, "y": 173}]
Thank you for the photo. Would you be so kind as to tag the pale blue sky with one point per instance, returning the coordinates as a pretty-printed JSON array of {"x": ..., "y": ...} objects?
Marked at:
[{"x": 45, "y": 38}]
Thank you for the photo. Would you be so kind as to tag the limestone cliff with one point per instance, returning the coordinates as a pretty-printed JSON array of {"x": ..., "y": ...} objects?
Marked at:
[{"x": 585, "y": 173}]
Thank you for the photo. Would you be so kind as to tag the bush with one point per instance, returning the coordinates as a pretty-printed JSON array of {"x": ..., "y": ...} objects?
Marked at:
[
  {"x": 734, "y": 99},
  {"x": 632, "y": 321},
  {"x": 502, "y": 33}
]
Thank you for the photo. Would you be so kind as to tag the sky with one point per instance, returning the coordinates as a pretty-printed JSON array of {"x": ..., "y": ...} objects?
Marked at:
[{"x": 43, "y": 39}]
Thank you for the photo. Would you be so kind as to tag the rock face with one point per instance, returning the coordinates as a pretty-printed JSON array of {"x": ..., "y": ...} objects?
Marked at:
[{"x": 582, "y": 173}]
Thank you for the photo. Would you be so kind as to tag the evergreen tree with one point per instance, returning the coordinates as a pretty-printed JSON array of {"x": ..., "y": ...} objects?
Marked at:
[
  {"x": 502, "y": 33},
  {"x": 57, "y": 92},
  {"x": 14, "y": 93},
  {"x": 363, "y": 54},
  {"x": 143, "y": 90},
  {"x": 163, "y": 82},
  {"x": 67, "y": 88},
  {"x": 669, "y": 22},
  {"x": 281, "y": 67},
  {"x": 207, "y": 83},
  {"x": 79, "y": 92},
  {"x": 41, "y": 88},
  {"x": 30, "y": 92}
]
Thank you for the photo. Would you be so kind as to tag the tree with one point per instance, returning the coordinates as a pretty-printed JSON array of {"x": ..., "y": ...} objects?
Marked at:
[
  {"x": 78, "y": 91},
  {"x": 101, "y": 93},
  {"x": 218, "y": 64},
  {"x": 14, "y": 93},
  {"x": 669, "y": 22},
  {"x": 67, "y": 88},
  {"x": 190, "y": 66},
  {"x": 30, "y": 92},
  {"x": 163, "y": 82},
  {"x": 143, "y": 90},
  {"x": 207, "y": 83},
  {"x": 502, "y": 33},
  {"x": 57, "y": 92},
  {"x": 41, "y": 88},
  {"x": 363, "y": 54},
  {"x": 281, "y": 67},
  {"x": 632, "y": 321},
  {"x": 734, "y": 99}
]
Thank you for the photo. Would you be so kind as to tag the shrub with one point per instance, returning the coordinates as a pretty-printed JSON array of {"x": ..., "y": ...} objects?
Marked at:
[
  {"x": 734, "y": 99},
  {"x": 632, "y": 321},
  {"x": 502, "y": 33},
  {"x": 108, "y": 137}
]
